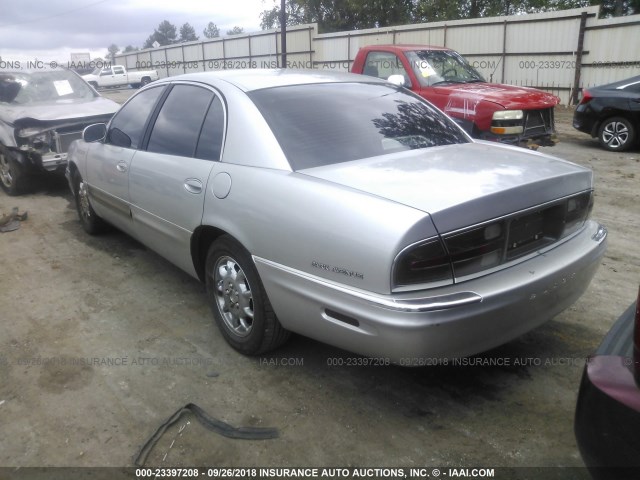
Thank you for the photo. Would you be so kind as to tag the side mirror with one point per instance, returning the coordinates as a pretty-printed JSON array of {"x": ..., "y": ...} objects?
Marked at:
[
  {"x": 396, "y": 80},
  {"x": 94, "y": 133}
]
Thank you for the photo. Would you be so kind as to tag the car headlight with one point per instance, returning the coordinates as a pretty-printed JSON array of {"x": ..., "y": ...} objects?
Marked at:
[
  {"x": 508, "y": 115},
  {"x": 507, "y": 122},
  {"x": 34, "y": 138},
  {"x": 426, "y": 262}
]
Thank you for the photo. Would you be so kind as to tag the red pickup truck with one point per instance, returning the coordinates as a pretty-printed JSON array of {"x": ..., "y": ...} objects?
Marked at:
[{"x": 504, "y": 113}]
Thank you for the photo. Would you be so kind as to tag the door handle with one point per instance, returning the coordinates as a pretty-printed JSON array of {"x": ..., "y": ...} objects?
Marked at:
[
  {"x": 193, "y": 185},
  {"x": 121, "y": 167}
]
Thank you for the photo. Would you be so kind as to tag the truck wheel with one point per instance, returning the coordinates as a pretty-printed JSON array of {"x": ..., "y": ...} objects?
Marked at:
[
  {"x": 617, "y": 134},
  {"x": 238, "y": 300},
  {"x": 12, "y": 174},
  {"x": 90, "y": 221},
  {"x": 145, "y": 81}
]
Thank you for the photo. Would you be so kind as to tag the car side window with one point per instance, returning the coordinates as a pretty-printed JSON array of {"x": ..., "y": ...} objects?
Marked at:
[
  {"x": 180, "y": 120},
  {"x": 127, "y": 127},
  {"x": 383, "y": 65},
  {"x": 118, "y": 70},
  {"x": 210, "y": 141}
]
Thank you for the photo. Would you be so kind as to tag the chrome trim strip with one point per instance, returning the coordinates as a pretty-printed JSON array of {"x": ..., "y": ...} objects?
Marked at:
[{"x": 413, "y": 305}]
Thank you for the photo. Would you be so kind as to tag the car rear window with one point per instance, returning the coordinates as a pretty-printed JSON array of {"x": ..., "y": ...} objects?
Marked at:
[{"x": 323, "y": 124}]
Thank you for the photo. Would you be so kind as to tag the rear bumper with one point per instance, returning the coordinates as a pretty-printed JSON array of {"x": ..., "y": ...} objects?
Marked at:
[
  {"x": 449, "y": 322},
  {"x": 585, "y": 121}
]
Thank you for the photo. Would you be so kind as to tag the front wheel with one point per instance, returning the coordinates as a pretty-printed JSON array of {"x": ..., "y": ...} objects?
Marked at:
[
  {"x": 617, "y": 134},
  {"x": 91, "y": 222},
  {"x": 238, "y": 300},
  {"x": 12, "y": 174}
]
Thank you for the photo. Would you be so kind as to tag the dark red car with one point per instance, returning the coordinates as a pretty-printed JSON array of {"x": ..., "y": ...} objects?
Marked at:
[
  {"x": 607, "y": 421},
  {"x": 490, "y": 111}
]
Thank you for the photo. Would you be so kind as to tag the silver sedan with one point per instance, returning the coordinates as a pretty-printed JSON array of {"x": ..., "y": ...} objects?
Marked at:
[{"x": 343, "y": 208}]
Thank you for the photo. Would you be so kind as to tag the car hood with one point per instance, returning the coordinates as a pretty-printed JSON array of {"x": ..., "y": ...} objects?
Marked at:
[
  {"x": 461, "y": 185},
  {"x": 508, "y": 96},
  {"x": 61, "y": 110}
]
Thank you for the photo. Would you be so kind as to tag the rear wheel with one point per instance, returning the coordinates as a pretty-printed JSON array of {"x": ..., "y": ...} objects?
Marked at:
[
  {"x": 617, "y": 134},
  {"x": 91, "y": 222},
  {"x": 12, "y": 175},
  {"x": 238, "y": 300},
  {"x": 145, "y": 81}
]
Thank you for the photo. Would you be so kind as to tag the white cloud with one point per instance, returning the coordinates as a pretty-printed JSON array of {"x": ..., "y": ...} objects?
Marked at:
[{"x": 52, "y": 29}]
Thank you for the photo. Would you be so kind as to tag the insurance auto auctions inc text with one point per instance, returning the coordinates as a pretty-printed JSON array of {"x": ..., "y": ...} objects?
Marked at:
[{"x": 374, "y": 473}]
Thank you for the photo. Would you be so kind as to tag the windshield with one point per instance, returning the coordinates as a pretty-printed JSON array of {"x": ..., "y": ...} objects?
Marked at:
[
  {"x": 323, "y": 124},
  {"x": 40, "y": 87},
  {"x": 442, "y": 66}
]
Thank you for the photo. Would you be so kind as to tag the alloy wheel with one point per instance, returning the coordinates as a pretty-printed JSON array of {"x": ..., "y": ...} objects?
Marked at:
[
  {"x": 615, "y": 134},
  {"x": 233, "y": 296}
]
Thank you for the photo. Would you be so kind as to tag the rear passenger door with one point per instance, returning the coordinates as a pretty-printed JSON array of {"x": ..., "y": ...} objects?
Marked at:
[{"x": 168, "y": 179}]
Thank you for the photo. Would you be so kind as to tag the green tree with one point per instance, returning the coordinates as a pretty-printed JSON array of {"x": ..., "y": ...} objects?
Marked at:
[
  {"x": 130, "y": 48},
  {"x": 235, "y": 31},
  {"x": 165, "y": 34},
  {"x": 187, "y": 33},
  {"x": 338, "y": 15},
  {"x": 617, "y": 8},
  {"x": 113, "y": 49},
  {"x": 211, "y": 31},
  {"x": 341, "y": 15}
]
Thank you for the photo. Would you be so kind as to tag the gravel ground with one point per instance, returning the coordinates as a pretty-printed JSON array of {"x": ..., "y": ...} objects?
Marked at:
[{"x": 102, "y": 341}]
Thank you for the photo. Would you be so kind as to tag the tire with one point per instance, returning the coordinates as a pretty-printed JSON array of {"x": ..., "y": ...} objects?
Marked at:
[
  {"x": 617, "y": 134},
  {"x": 238, "y": 300},
  {"x": 90, "y": 221},
  {"x": 12, "y": 174},
  {"x": 145, "y": 81}
]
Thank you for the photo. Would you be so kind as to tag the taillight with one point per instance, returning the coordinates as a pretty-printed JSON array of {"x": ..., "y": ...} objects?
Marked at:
[
  {"x": 477, "y": 249},
  {"x": 426, "y": 262},
  {"x": 586, "y": 97},
  {"x": 578, "y": 210},
  {"x": 636, "y": 342}
]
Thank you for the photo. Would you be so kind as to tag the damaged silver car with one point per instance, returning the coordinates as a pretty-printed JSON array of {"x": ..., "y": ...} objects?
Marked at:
[
  {"x": 41, "y": 113},
  {"x": 343, "y": 208}
]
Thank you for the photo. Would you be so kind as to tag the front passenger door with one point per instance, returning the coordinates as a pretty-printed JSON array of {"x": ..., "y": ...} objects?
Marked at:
[{"x": 108, "y": 171}]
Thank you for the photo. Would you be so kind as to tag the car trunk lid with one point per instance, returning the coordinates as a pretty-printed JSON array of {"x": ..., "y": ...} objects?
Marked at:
[{"x": 462, "y": 185}]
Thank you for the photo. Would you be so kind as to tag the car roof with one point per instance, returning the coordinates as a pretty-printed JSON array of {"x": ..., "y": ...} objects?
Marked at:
[
  {"x": 257, "y": 79},
  {"x": 405, "y": 47},
  {"x": 619, "y": 85}
]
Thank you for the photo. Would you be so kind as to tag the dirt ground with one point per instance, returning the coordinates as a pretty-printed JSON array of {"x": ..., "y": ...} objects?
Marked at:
[{"x": 102, "y": 341}]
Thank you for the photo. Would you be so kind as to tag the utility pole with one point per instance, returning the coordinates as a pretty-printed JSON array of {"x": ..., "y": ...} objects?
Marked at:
[{"x": 283, "y": 32}]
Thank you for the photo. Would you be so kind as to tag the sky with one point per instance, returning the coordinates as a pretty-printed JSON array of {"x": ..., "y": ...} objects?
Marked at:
[{"x": 49, "y": 30}]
